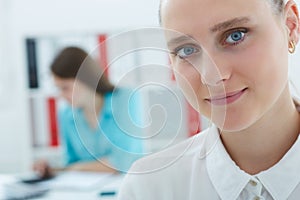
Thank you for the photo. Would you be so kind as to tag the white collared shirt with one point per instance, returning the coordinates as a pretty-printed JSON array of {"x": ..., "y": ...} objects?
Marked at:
[{"x": 201, "y": 169}]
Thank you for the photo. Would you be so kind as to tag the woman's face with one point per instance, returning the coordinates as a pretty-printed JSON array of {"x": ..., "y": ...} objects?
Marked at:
[
  {"x": 75, "y": 96},
  {"x": 229, "y": 57}
]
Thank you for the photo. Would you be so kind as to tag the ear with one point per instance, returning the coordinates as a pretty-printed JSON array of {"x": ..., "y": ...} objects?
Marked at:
[{"x": 292, "y": 21}]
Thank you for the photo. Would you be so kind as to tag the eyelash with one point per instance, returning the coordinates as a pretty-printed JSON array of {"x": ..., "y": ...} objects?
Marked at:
[
  {"x": 177, "y": 50},
  {"x": 244, "y": 31}
]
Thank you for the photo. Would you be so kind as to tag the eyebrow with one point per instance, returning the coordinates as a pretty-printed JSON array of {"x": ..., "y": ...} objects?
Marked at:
[
  {"x": 229, "y": 24},
  {"x": 180, "y": 39},
  {"x": 218, "y": 27}
]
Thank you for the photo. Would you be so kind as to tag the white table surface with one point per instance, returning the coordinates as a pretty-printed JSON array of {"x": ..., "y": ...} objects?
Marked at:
[{"x": 112, "y": 184}]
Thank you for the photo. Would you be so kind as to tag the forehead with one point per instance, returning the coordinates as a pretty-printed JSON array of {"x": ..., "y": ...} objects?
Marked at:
[{"x": 187, "y": 16}]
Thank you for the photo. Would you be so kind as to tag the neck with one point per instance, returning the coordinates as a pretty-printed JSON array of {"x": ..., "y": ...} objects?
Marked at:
[
  {"x": 94, "y": 108},
  {"x": 264, "y": 143},
  {"x": 91, "y": 111}
]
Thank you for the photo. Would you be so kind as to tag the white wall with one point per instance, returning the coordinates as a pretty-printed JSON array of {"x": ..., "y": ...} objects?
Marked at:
[
  {"x": 45, "y": 17},
  {"x": 14, "y": 138},
  {"x": 21, "y": 19}
]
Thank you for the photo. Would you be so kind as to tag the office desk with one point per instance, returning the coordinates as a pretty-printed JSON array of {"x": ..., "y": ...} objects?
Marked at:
[{"x": 111, "y": 184}]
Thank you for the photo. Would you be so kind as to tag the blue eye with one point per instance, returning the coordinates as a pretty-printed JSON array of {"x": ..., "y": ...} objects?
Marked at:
[
  {"x": 185, "y": 52},
  {"x": 235, "y": 37}
]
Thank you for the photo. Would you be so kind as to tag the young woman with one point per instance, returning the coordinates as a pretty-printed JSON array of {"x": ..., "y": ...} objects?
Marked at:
[
  {"x": 230, "y": 59},
  {"x": 96, "y": 127}
]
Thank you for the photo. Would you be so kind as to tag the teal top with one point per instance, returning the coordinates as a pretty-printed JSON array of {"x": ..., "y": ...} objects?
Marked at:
[{"x": 115, "y": 139}]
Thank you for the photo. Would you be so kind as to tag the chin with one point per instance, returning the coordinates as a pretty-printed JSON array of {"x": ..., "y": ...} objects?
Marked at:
[
  {"x": 233, "y": 124},
  {"x": 231, "y": 128}
]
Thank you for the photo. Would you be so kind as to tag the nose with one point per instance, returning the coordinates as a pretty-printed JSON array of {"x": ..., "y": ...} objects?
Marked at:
[{"x": 215, "y": 69}]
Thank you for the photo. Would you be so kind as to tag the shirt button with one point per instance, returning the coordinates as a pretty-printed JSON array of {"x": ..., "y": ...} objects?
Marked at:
[
  {"x": 253, "y": 183},
  {"x": 256, "y": 198}
]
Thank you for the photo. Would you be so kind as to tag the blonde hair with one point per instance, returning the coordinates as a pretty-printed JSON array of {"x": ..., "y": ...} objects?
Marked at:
[{"x": 278, "y": 6}]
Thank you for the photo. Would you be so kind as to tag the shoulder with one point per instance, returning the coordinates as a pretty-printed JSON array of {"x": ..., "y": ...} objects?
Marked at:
[
  {"x": 66, "y": 114},
  {"x": 165, "y": 170},
  {"x": 64, "y": 111},
  {"x": 122, "y": 103},
  {"x": 123, "y": 94},
  {"x": 173, "y": 156},
  {"x": 117, "y": 98}
]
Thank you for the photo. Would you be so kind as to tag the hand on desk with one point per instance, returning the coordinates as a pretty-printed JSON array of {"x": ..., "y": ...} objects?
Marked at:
[
  {"x": 94, "y": 166},
  {"x": 43, "y": 168}
]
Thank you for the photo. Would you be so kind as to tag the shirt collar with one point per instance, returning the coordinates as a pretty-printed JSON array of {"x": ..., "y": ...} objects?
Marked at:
[
  {"x": 228, "y": 179},
  {"x": 281, "y": 179}
]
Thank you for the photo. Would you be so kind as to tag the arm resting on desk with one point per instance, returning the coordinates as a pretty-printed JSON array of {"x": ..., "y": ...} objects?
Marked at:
[
  {"x": 95, "y": 166},
  {"x": 45, "y": 171}
]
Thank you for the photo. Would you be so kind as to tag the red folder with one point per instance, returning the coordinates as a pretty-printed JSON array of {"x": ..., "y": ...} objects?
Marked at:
[
  {"x": 103, "y": 53},
  {"x": 52, "y": 120}
]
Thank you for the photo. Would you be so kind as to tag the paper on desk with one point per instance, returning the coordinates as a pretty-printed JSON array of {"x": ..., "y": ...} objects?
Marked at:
[
  {"x": 12, "y": 188},
  {"x": 114, "y": 184},
  {"x": 4, "y": 180},
  {"x": 76, "y": 180}
]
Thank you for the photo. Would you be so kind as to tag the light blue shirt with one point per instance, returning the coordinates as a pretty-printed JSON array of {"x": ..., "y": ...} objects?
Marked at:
[{"x": 116, "y": 138}]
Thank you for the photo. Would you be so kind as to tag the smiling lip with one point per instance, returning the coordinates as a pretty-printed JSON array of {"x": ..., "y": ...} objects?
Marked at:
[{"x": 226, "y": 99}]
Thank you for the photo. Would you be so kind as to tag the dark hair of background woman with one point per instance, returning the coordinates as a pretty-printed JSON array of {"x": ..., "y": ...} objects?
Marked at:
[{"x": 72, "y": 60}]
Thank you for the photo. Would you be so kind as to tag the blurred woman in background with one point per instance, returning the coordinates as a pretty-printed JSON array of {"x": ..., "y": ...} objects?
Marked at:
[{"x": 97, "y": 132}]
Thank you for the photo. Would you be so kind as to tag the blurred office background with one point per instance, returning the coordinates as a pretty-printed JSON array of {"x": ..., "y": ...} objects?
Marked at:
[{"x": 121, "y": 33}]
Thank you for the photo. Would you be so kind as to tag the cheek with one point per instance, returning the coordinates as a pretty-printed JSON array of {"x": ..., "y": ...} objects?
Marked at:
[
  {"x": 265, "y": 65},
  {"x": 189, "y": 80},
  {"x": 187, "y": 77}
]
